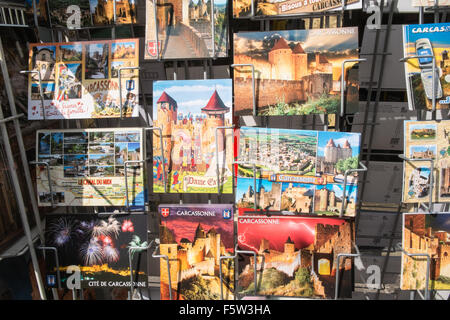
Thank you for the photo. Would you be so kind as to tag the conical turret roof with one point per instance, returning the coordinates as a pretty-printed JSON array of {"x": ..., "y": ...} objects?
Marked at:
[
  {"x": 281, "y": 44},
  {"x": 215, "y": 103}
]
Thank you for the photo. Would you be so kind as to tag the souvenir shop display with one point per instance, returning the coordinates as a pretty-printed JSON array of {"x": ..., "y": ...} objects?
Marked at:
[
  {"x": 87, "y": 167},
  {"x": 432, "y": 41},
  {"x": 297, "y": 171},
  {"x": 427, "y": 145},
  {"x": 182, "y": 29},
  {"x": 100, "y": 247},
  {"x": 296, "y": 256},
  {"x": 426, "y": 234},
  {"x": 195, "y": 237},
  {"x": 80, "y": 80},
  {"x": 294, "y": 72},
  {"x": 196, "y": 152},
  {"x": 299, "y": 149}
]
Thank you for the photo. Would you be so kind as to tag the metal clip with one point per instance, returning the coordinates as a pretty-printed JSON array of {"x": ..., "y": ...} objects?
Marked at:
[
  {"x": 350, "y": 255},
  {"x": 48, "y": 176},
  {"x": 41, "y": 94},
  {"x": 427, "y": 276},
  {"x": 343, "y": 86},
  {"x": 217, "y": 154},
  {"x": 344, "y": 198},
  {"x": 119, "y": 70},
  {"x": 55, "y": 251},
  {"x": 126, "y": 179},
  {"x": 253, "y": 82},
  {"x": 165, "y": 257}
]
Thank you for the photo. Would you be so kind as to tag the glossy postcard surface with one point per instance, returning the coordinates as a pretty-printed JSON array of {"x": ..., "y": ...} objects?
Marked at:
[
  {"x": 195, "y": 236},
  {"x": 300, "y": 255},
  {"x": 188, "y": 112},
  {"x": 298, "y": 171},
  {"x": 186, "y": 29},
  {"x": 87, "y": 167},
  {"x": 80, "y": 80},
  {"x": 430, "y": 3},
  {"x": 426, "y": 140},
  {"x": 426, "y": 234},
  {"x": 428, "y": 40},
  {"x": 242, "y": 8},
  {"x": 297, "y": 72},
  {"x": 99, "y": 247}
]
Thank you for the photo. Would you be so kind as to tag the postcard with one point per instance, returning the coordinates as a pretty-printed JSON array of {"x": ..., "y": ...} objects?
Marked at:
[
  {"x": 188, "y": 112},
  {"x": 430, "y": 3},
  {"x": 433, "y": 42},
  {"x": 297, "y": 171},
  {"x": 243, "y": 8},
  {"x": 99, "y": 247},
  {"x": 296, "y": 256},
  {"x": 87, "y": 167},
  {"x": 425, "y": 141},
  {"x": 79, "y": 80},
  {"x": 295, "y": 74},
  {"x": 426, "y": 234},
  {"x": 195, "y": 237},
  {"x": 186, "y": 29}
]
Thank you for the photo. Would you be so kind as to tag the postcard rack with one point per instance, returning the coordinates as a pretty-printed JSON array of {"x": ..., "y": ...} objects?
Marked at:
[{"x": 342, "y": 121}]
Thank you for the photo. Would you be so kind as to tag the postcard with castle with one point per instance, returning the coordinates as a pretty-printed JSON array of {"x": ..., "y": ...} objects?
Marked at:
[
  {"x": 297, "y": 171},
  {"x": 295, "y": 74},
  {"x": 100, "y": 247},
  {"x": 425, "y": 141},
  {"x": 87, "y": 167},
  {"x": 197, "y": 156},
  {"x": 195, "y": 236},
  {"x": 433, "y": 42},
  {"x": 430, "y": 3},
  {"x": 80, "y": 80},
  {"x": 186, "y": 29},
  {"x": 426, "y": 234},
  {"x": 296, "y": 256},
  {"x": 243, "y": 8}
]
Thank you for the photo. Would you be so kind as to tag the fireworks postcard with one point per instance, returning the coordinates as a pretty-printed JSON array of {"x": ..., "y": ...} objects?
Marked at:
[
  {"x": 184, "y": 29},
  {"x": 243, "y": 8},
  {"x": 425, "y": 141},
  {"x": 79, "y": 80},
  {"x": 433, "y": 42},
  {"x": 297, "y": 72},
  {"x": 189, "y": 111},
  {"x": 100, "y": 247},
  {"x": 296, "y": 256},
  {"x": 426, "y": 234},
  {"x": 297, "y": 171},
  {"x": 195, "y": 236},
  {"x": 87, "y": 167}
]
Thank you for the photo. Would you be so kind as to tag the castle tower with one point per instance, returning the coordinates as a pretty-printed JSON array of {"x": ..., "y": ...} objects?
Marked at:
[
  {"x": 333, "y": 199},
  {"x": 323, "y": 199},
  {"x": 323, "y": 65},
  {"x": 213, "y": 244},
  {"x": 331, "y": 154},
  {"x": 166, "y": 118},
  {"x": 300, "y": 62},
  {"x": 264, "y": 245},
  {"x": 215, "y": 110},
  {"x": 280, "y": 57},
  {"x": 346, "y": 150},
  {"x": 289, "y": 246}
]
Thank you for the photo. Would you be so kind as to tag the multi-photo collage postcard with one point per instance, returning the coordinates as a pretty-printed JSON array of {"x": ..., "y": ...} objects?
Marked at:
[
  {"x": 79, "y": 80},
  {"x": 424, "y": 141},
  {"x": 87, "y": 167},
  {"x": 93, "y": 12},
  {"x": 298, "y": 171}
]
